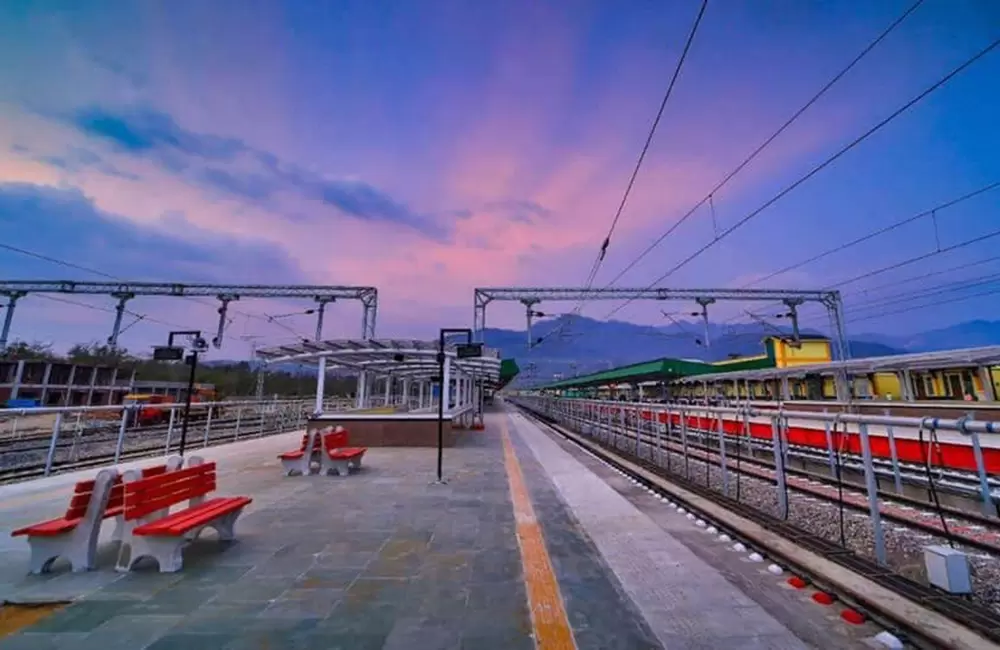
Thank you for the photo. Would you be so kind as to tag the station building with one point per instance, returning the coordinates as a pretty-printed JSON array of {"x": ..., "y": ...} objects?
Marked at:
[
  {"x": 55, "y": 383},
  {"x": 802, "y": 370},
  {"x": 654, "y": 379}
]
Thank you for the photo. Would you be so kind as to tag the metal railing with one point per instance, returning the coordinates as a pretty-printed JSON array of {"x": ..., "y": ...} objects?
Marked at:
[
  {"x": 42, "y": 441},
  {"x": 675, "y": 437}
]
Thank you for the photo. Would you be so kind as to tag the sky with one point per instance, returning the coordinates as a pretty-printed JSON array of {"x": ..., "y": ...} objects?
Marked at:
[{"x": 429, "y": 147}]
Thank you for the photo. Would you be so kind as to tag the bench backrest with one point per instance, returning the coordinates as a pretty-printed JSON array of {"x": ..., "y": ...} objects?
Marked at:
[
  {"x": 335, "y": 440},
  {"x": 317, "y": 440},
  {"x": 148, "y": 495},
  {"x": 84, "y": 490}
]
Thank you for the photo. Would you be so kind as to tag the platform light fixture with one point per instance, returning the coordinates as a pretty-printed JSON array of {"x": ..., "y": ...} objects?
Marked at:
[{"x": 171, "y": 352}]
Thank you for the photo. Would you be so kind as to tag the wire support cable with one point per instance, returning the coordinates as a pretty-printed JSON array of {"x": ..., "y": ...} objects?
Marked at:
[
  {"x": 765, "y": 144},
  {"x": 823, "y": 165}
]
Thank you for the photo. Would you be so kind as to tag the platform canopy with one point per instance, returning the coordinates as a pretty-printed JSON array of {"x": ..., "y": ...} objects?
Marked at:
[
  {"x": 920, "y": 361},
  {"x": 407, "y": 358}
]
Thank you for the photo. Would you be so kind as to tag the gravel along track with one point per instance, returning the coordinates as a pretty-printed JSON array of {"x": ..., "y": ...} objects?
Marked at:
[{"x": 904, "y": 545}]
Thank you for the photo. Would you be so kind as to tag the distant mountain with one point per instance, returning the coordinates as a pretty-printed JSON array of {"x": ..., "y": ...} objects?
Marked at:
[
  {"x": 578, "y": 345},
  {"x": 970, "y": 334}
]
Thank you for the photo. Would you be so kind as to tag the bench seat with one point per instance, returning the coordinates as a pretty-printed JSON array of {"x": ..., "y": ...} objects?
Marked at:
[
  {"x": 348, "y": 453},
  {"x": 337, "y": 456},
  {"x": 184, "y": 521},
  {"x": 50, "y": 528}
]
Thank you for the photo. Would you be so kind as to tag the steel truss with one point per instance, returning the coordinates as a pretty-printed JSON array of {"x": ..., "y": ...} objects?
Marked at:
[
  {"x": 14, "y": 290},
  {"x": 791, "y": 298}
]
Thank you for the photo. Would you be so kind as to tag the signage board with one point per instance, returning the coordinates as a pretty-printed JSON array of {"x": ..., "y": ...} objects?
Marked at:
[
  {"x": 467, "y": 350},
  {"x": 165, "y": 353}
]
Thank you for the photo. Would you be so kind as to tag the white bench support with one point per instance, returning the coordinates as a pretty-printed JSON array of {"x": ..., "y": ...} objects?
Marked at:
[
  {"x": 303, "y": 466},
  {"x": 168, "y": 551},
  {"x": 339, "y": 466},
  {"x": 79, "y": 545}
]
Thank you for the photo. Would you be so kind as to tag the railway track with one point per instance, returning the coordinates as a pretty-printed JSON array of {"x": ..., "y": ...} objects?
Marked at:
[
  {"x": 966, "y": 528},
  {"x": 883, "y": 595}
]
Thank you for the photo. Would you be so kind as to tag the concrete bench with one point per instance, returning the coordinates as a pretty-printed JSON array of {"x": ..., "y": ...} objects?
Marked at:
[
  {"x": 338, "y": 456},
  {"x": 74, "y": 536},
  {"x": 164, "y": 537}
]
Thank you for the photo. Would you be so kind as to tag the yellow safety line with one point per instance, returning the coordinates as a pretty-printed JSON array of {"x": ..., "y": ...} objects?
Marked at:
[{"x": 548, "y": 616}]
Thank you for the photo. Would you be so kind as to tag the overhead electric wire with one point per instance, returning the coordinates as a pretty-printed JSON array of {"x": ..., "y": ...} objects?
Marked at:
[
  {"x": 595, "y": 268},
  {"x": 108, "y": 310},
  {"x": 652, "y": 132},
  {"x": 935, "y": 303},
  {"x": 875, "y": 233},
  {"x": 764, "y": 145},
  {"x": 871, "y": 235},
  {"x": 924, "y": 276},
  {"x": 915, "y": 259},
  {"x": 948, "y": 287},
  {"x": 823, "y": 165}
]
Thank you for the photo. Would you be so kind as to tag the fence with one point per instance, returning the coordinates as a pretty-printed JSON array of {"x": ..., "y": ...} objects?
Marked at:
[{"x": 41, "y": 441}]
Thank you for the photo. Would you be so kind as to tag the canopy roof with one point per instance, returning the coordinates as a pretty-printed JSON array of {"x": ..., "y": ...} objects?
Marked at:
[
  {"x": 967, "y": 358},
  {"x": 658, "y": 370},
  {"x": 397, "y": 357}
]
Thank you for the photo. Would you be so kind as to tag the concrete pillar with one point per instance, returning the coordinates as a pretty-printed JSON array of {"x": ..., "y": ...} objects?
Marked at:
[
  {"x": 406, "y": 393},
  {"x": 18, "y": 376},
  {"x": 361, "y": 389},
  {"x": 387, "y": 398},
  {"x": 45, "y": 384},
  {"x": 420, "y": 394},
  {"x": 320, "y": 386}
]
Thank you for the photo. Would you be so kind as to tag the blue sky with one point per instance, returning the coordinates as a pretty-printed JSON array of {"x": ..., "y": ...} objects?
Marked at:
[{"x": 430, "y": 147}]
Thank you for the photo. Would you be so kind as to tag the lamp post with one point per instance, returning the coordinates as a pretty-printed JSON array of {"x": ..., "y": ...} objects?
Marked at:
[
  {"x": 175, "y": 353},
  {"x": 470, "y": 349}
]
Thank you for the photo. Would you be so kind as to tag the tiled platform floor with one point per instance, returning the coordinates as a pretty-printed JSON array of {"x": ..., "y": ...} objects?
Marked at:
[{"x": 387, "y": 558}]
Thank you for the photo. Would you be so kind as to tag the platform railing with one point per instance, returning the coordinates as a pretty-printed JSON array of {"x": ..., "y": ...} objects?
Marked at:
[
  {"x": 681, "y": 438},
  {"x": 42, "y": 441}
]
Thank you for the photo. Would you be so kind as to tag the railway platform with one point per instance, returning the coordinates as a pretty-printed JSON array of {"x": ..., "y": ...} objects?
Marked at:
[{"x": 530, "y": 542}]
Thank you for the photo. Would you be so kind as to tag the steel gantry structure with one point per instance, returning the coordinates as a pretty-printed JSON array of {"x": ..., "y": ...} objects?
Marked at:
[
  {"x": 323, "y": 295},
  {"x": 791, "y": 298}
]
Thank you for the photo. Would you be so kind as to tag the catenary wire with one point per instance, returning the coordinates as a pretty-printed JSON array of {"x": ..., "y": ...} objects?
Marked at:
[
  {"x": 602, "y": 252},
  {"x": 876, "y": 233},
  {"x": 823, "y": 165},
  {"x": 764, "y": 145}
]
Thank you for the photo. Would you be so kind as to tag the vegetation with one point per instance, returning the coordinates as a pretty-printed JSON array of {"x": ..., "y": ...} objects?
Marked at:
[{"x": 229, "y": 378}]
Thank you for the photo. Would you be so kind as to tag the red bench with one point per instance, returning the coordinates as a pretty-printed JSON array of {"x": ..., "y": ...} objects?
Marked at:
[
  {"x": 164, "y": 537},
  {"x": 298, "y": 461},
  {"x": 337, "y": 456},
  {"x": 74, "y": 535}
]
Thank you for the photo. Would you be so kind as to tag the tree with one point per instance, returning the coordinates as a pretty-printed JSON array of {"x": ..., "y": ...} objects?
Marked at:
[
  {"x": 35, "y": 350},
  {"x": 99, "y": 354}
]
